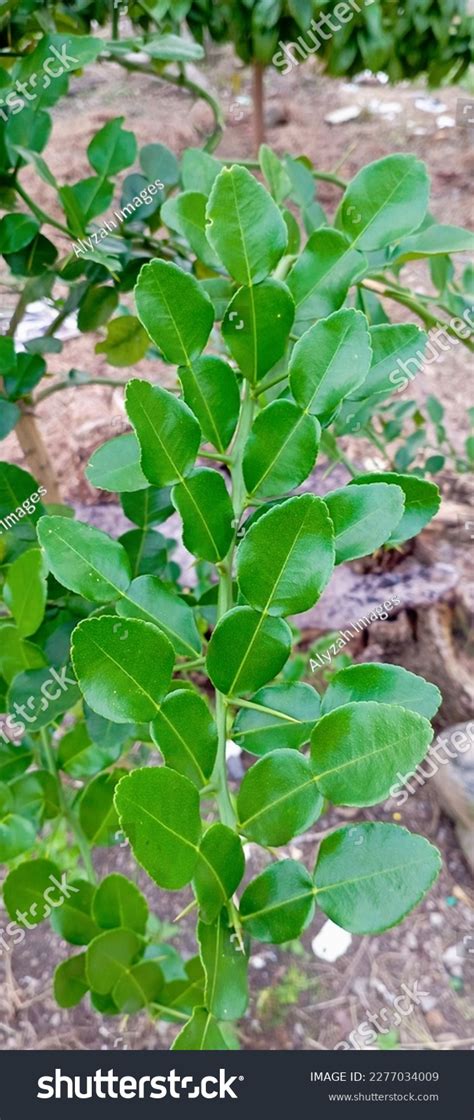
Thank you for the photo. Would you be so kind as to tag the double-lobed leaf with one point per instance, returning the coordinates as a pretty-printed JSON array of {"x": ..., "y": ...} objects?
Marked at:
[
  {"x": 166, "y": 429},
  {"x": 368, "y": 877},
  {"x": 386, "y": 684},
  {"x": 364, "y": 517},
  {"x": 211, "y": 391},
  {"x": 225, "y": 967},
  {"x": 278, "y": 798},
  {"x": 322, "y": 275},
  {"x": 123, "y": 666},
  {"x": 219, "y": 870},
  {"x": 282, "y": 715},
  {"x": 174, "y": 310},
  {"x": 286, "y": 558},
  {"x": 279, "y": 904},
  {"x": 246, "y": 650},
  {"x": 330, "y": 361},
  {"x": 84, "y": 559},
  {"x": 185, "y": 732},
  {"x": 244, "y": 226},
  {"x": 159, "y": 813},
  {"x": 422, "y": 502},
  {"x": 207, "y": 514},
  {"x": 358, "y": 750},
  {"x": 151, "y": 600},
  {"x": 281, "y": 449},
  {"x": 24, "y": 591},
  {"x": 256, "y": 327}
]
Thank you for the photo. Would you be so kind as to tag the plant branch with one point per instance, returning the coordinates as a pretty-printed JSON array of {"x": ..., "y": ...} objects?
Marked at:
[{"x": 67, "y": 812}]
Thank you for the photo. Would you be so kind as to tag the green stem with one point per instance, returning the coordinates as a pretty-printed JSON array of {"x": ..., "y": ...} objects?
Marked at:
[
  {"x": 324, "y": 176},
  {"x": 225, "y": 602},
  {"x": 389, "y": 291},
  {"x": 112, "y": 382},
  {"x": 66, "y": 811},
  {"x": 262, "y": 708},
  {"x": 218, "y": 458},
  {"x": 40, "y": 214},
  {"x": 186, "y": 666}
]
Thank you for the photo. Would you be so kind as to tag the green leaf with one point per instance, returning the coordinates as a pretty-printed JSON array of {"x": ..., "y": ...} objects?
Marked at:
[
  {"x": 225, "y": 966},
  {"x": 19, "y": 495},
  {"x": 16, "y": 232},
  {"x": 123, "y": 667},
  {"x": 245, "y": 227},
  {"x": 17, "y": 832},
  {"x": 286, "y": 558},
  {"x": 29, "y": 371},
  {"x": 360, "y": 749},
  {"x": 72, "y": 920},
  {"x": 159, "y": 162},
  {"x": 211, "y": 391},
  {"x": 84, "y": 559},
  {"x": 150, "y": 506},
  {"x": 14, "y": 760},
  {"x": 370, "y": 876},
  {"x": 256, "y": 327},
  {"x": 186, "y": 213},
  {"x": 219, "y": 870},
  {"x": 186, "y": 735},
  {"x": 267, "y": 730},
  {"x": 112, "y": 149},
  {"x": 90, "y": 197},
  {"x": 24, "y": 890},
  {"x": 207, "y": 514},
  {"x": 96, "y": 307},
  {"x": 97, "y": 814},
  {"x": 139, "y": 986},
  {"x": 126, "y": 342},
  {"x": 273, "y": 169},
  {"x": 168, "y": 433},
  {"x": 16, "y": 654},
  {"x": 175, "y": 311},
  {"x": 386, "y": 200},
  {"x": 435, "y": 240},
  {"x": 278, "y": 799},
  {"x": 184, "y": 991},
  {"x": 392, "y": 344},
  {"x": 146, "y": 551},
  {"x": 422, "y": 502},
  {"x": 279, "y": 904},
  {"x": 329, "y": 361},
  {"x": 172, "y": 48},
  {"x": 361, "y": 526},
  {"x": 35, "y": 795},
  {"x": 32, "y": 689},
  {"x": 109, "y": 957},
  {"x": 387, "y": 684},
  {"x": 199, "y": 170},
  {"x": 281, "y": 449},
  {"x": 201, "y": 1033},
  {"x": 118, "y": 902},
  {"x": 116, "y": 465},
  {"x": 159, "y": 812},
  {"x": 80, "y": 757},
  {"x": 246, "y": 650},
  {"x": 149, "y": 599},
  {"x": 9, "y": 417},
  {"x": 70, "y": 982},
  {"x": 322, "y": 275},
  {"x": 24, "y": 591}
]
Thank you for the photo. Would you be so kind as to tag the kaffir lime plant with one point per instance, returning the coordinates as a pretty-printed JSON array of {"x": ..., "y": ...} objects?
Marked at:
[{"x": 180, "y": 666}]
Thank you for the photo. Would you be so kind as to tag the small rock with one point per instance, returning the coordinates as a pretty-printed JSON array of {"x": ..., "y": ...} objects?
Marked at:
[
  {"x": 257, "y": 962},
  {"x": 435, "y": 1020},
  {"x": 453, "y": 959},
  {"x": 342, "y": 116},
  {"x": 411, "y": 941},
  {"x": 445, "y": 121},
  {"x": 436, "y": 920},
  {"x": 331, "y": 942},
  {"x": 427, "y": 1003},
  {"x": 430, "y": 105}
]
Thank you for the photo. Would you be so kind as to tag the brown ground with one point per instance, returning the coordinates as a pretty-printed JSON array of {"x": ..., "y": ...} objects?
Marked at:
[{"x": 299, "y": 1002}]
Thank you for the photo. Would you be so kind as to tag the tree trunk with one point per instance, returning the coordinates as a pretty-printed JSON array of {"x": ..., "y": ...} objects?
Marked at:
[
  {"x": 258, "y": 72},
  {"x": 38, "y": 461}
]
